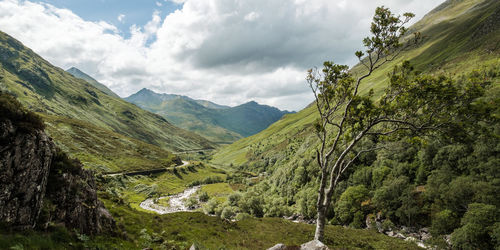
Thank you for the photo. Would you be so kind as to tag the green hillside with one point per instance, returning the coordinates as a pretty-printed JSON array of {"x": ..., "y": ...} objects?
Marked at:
[
  {"x": 446, "y": 182},
  {"x": 77, "y": 107},
  {"x": 459, "y": 36},
  {"x": 81, "y": 75},
  {"x": 215, "y": 122}
]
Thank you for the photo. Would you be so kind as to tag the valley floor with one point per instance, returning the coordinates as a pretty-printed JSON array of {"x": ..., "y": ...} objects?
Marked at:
[{"x": 139, "y": 228}]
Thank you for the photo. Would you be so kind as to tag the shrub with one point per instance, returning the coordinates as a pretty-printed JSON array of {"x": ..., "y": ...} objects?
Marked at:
[
  {"x": 387, "y": 225},
  {"x": 228, "y": 212},
  {"x": 242, "y": 216},
  {"x": 24, "y": 119},
  {"x": 191, "y": 202},
  {"x": 443, "y": 222},
  {"x": 233, "y": 199},
  {"x": 203, "y": 197},
  {"x": 210, "y": 206}
]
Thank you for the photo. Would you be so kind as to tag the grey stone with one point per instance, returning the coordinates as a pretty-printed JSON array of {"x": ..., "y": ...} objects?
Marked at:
[
  {"x": 25, "y": 159},
  {"x": 279, "y": 246},
  {"x": 314, "y": 245}
]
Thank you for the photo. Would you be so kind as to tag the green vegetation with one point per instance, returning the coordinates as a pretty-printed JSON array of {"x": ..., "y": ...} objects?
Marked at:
[
  {"x": 11, "y": 109},
  {"x": 104, "y": 150},
  {"x": 217, "y": 123},
  {"x": 416, "y": 181},
  {"x": 132, "y": 190}
]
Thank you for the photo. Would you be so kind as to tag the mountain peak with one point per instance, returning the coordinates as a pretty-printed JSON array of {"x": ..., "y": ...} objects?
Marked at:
[
  {"x": 146, "y": 90},
  {"x": 84, "y": 76}
]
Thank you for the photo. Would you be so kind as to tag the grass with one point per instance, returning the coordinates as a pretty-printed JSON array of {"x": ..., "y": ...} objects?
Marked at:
[
  {"x": 218, "y": 190},
  {"x": 103, "y": 150}
]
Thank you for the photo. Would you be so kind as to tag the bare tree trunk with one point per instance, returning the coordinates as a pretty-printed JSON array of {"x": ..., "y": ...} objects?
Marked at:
[{"x": 320, "y": 223}]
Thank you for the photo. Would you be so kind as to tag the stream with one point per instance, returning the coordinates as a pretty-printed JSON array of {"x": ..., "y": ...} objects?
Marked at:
[{"x": 176, "y": 202}]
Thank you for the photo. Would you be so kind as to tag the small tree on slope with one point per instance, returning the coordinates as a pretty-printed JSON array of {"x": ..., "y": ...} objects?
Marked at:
[{"x": 409, "y": 103}]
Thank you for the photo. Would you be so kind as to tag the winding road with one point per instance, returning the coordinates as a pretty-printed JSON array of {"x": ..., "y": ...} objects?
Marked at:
[{"x": 146, "y": 172}]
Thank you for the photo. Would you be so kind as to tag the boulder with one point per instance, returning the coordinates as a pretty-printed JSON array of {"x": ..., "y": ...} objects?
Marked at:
[
  {"x": 313, "y": 245},
  {"x": 279, "y": 246}
]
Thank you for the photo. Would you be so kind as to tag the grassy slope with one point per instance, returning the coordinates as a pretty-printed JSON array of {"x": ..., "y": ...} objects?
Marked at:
[
  {"x": 104, "y": 150},
  {"x": 181, "y": 230},
  {"x": 448, "y": 46},
  {"x": 60, "y": 97},
  {"x": 81, "y": 75}
]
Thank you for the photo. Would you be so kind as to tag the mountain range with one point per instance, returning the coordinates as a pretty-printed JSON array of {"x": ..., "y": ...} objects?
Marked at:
[{"x": 218, "y": 123}]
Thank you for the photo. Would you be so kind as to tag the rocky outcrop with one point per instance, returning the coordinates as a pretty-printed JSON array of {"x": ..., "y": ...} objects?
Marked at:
[
  {"x": 39, "y": 184},
  {"x": 25, "y": 159},
  {"x": 72, "y": 199}
]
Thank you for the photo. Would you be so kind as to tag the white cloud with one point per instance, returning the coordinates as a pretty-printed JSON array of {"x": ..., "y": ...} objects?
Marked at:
[
  {"x": 159, "y": 4},
  {"x": 121, "y": 18},
  {"x": 227, "y": 51}
]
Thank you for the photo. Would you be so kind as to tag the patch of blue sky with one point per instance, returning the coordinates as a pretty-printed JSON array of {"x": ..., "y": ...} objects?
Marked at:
[{"x": 120, "y": 13}]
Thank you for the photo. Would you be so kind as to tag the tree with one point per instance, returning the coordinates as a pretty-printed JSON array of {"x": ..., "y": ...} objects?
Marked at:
[{"x": 410, "y": 103}]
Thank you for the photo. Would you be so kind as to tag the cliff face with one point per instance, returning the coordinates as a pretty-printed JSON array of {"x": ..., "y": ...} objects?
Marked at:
[
  {"x": 25, "y": 160},
  {"x": 72, "y": 198},
  {"x": 39, "y": 184}
]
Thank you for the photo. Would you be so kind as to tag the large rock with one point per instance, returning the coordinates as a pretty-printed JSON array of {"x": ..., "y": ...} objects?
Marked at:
[
  {"x": 35, "y": 177},
  {"x": 279, "y": 246},
  {"x": 73, "y": 200},
  {"x": 314, "y": 245},
  {"x": 25, "y": 159}
]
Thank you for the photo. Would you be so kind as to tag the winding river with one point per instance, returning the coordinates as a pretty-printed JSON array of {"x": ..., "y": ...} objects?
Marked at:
[{"x": 176, "y": 202}]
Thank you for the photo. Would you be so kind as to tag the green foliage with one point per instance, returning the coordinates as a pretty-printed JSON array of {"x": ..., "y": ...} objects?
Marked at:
[
  {"x": 444, "y": 222},
  {"x": 207, "y": 180},
  {"x": 210, "y": 206},
  {"x": 203, "y": 197},
  {"x": 477, "y": 226},
  {"x": 349, "y": 205}
]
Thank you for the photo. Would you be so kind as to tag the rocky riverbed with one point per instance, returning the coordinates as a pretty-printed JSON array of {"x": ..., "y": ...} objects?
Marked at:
[{"x": 176, "y": 202}]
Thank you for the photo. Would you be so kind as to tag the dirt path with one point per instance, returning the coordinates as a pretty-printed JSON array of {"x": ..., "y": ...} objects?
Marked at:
[
  {"x": 176, "y": 202},
  {"x": 146, "y": 172}
]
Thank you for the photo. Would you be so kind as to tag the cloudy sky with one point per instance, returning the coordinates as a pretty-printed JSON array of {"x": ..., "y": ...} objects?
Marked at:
[{"x": 226, "y": 51}]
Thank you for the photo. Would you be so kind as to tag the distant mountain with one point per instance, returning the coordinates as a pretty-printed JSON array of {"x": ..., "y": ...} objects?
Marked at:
[
  {"x": 79, "y": 74},
  {"x": 103, "y": 131},
  {"x": 216, "y": 122}
]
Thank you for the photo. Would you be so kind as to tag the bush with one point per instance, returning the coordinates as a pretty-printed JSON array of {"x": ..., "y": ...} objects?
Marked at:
[
  {"x": 349, "y": 204},
  {"x": 22, "y": 118},
  {"x": 443, "y": 222},
  {"x": 233, "y": 199},
  {"x": 228, "y": 212},
  {"x": 191, "y": 202},
  {"x": 387, "y": 225},
  {"x": 242, "y": 216},
  {"x": 210, "y": 206},
  {"x": 203, "y": 197}
]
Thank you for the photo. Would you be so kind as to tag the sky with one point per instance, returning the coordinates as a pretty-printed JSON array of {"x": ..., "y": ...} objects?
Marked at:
[{"x": 226, "y": 51}]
